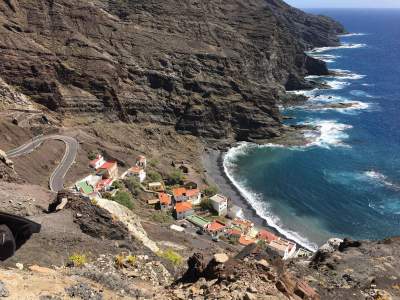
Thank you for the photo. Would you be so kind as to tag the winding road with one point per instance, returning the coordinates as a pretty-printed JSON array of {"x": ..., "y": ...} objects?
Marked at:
[{"x": 56, "y": 181}]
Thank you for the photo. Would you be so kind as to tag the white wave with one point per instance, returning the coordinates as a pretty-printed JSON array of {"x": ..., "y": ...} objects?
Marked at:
[
  {"x": 307, "y": 93},
  {"x": 328, "y": 58},
  {"x": 346, "y": 74},
  {"x": 352, "y": 34},
  {"x": 381, "y": 179},
  {"x": 329, "y": 134},
  {"x": 261, "y": 207},
  {"x": 343, "y": 46},
  {"x": 354, "y": 107},
  {"x": 337, "y": 84},
  {"x": 368, "y": 84}
]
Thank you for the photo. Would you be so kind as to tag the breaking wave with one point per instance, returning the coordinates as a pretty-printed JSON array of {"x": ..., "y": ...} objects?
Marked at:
[
  {"x": 343, "y": 46},
  {"x": 352, "y": 34},
  {"x": 261, "y": 207},
  {"x": 381, "y": 179}
]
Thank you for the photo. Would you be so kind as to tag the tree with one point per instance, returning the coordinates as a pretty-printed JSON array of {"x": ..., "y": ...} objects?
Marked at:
[
  {"x": 206, "y": 204},
  {"x": 123, "y": 198},
  {"x": 133, "y": 185},
  {"x": 154, "y": 176},
  {"x": 117, "y": 184},
  {"x": 92, "y": 155},
  {"x": 210, "y": 191},
  {"x": 176, "y": 177}
]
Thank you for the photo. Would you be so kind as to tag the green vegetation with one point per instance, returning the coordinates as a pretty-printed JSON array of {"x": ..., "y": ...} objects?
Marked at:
[
  {"x": 78, "y": 260},
  {"x": 206, "y": 204},
  {"x": 92, "y": 155},
  {"x": 171, "y": 256},
  {"x": 262, "y": 244},
  {"x": 131, "y": 259},
  {"x": 176, "y": 177},
  {"x": 161, "y": 217},
  {"x": 123, "y": 198},
  {"x": 107, "y": 195},
  {"x": 153, "y": 163},
  {"x": 117, "y": 184},
  {"x": 133, "y": 185},
  {"x": 154, "y": 176},
  {"x": 210, "y": 191}
]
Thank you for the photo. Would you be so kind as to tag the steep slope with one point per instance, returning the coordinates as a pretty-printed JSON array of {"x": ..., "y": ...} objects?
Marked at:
[{"x": 214, "y": 69}]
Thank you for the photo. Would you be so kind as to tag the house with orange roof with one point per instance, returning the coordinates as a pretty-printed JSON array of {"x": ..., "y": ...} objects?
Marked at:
[
  {"x": 183, "y": 210},
  {"x": 216, "y": 227},
  {"x": 244, "y": 225},
  {"x": 244, "y": 240},
  {"x": 104, "y": 185},
  {"x": 165, "y": 201},
  {"x": 266, "y": 236},
  {"x": 141, "y": 161},
  {"x": 97, "y": 162},
  {"x": 108, "y": 170},
  {"x": 180, "y": 194},
  {"x": 136, "y": 172},
  {"x": 194, "y": 196}
]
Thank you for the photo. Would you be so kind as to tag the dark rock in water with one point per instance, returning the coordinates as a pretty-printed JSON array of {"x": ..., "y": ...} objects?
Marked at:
[{"x": 215, "y": 70}]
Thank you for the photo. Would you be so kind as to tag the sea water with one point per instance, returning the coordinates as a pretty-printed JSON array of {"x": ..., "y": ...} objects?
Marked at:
[{"x": 346, "y": 181}]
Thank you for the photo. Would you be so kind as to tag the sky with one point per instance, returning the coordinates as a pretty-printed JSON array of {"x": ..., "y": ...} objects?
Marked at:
[{"x": 345, "y": 3}]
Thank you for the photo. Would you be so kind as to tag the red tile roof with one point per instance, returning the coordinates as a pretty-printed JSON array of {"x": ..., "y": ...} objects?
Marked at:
[
  {"x": 234, "y": 232},
  {"x": 193, "y": 192},
  {"x": 183, "y": 206},
  {"x": 135, "y": 169},
  {"x": 243, "y": 240},
  {"x": 108, "y": 165},
  {"x": 267, "y": 236},
  {"x": 164, "y": 198},
  {"x": 216, "y": 226},
  {"x": 94, "y": 161},
  {"x": 179, "y": 191},
  {"x": 103, "y": 183}
]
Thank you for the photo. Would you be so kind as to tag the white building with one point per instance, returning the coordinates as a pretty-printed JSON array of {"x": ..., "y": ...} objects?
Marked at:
[
  {"x": 97, "y": 162},
  {"x": 141, "y": 161},
  {"x": 137, "y": 172},
  {"x": 285, "y": 248},
  {"x": 220, "y": 204}
]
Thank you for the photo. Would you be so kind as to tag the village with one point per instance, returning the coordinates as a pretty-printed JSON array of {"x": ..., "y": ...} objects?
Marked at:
[{"x": 206, "y": 211}]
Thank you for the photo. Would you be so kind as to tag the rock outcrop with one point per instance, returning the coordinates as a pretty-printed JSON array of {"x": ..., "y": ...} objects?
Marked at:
[{"x": 209, "y": 68}]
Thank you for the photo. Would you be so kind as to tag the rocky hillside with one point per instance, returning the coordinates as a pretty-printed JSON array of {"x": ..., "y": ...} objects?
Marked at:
[{"x": 214, "y": 69}]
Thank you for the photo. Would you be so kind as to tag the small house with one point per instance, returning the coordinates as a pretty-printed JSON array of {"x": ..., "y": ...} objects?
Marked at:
[
  {"x": 216, "y": 227},
  {"x": 104, "y": 185},
  {"x": 245, "y": 240},
  {"x": 156, "y": 187},
  {"x": 183, "y": 210},
  {"x": 165, "y": 201},
  {"x": 97, "y": 162},
  {"x": 233, "y": 234},
  {"x": 108, "y": 170},
  {"x": 266, "y": 236},
  {"x": 137, "y": 172},
  {"x": 219, "y": 204},
  {"x": 141, "y": 161},
  {"x": 194, "y": 196},
  {"x": 235, "y": 212},
  {"x": 285, "y": 248},
  {"x": 244, "y": 225},
  {"x": 179, "y": 194},
  {"x": 198, "y": 221}
]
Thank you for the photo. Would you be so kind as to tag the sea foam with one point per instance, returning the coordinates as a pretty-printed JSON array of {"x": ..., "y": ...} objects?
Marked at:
[{"x": 343, "y": 46}]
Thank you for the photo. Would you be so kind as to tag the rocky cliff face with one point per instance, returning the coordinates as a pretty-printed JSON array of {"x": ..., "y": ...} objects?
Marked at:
[{"x": 214, "y": 69}]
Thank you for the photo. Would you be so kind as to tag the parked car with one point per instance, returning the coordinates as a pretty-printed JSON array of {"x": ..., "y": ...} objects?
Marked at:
[
  {"x": 184, "y": 225},
  {"x": 215, "y": 239},
  {"x": 199, "y": 232}
]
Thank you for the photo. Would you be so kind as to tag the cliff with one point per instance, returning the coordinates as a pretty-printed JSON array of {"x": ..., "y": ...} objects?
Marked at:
[{"x": 214, "y": 69}]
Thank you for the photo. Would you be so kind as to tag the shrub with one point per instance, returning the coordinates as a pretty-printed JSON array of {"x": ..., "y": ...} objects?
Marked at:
[
  {"x": 117, "y": 184},
  {"x": 131, "y": 259},
  {"x": 171, "y": 256},
  {"x": 92, "y": 155},
  {"x": 119, "y": 261},
  {"x": 210, "y": 191},
  {"x": 153, "y": 162},
  {"x": 94, "y": 201},
  {"x": 154, "y": 176},
  {"x": 107, "y": 195},
  {"x": 78, "y": 260},
  {"x": 176, "y": 177},
  {"x": 262, "y": 244},
  {"x": 206, "y": 204},
  {"x": 123, "y": 198},
  {"x": 161, "y": 217},
  {"x": 133, "y": 185}
]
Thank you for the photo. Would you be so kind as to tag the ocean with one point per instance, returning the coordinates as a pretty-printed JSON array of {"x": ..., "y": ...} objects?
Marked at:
[{"x": 346, "y": 181}]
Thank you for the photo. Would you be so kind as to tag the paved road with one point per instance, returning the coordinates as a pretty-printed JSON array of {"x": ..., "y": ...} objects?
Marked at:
[{"x": 56, "y": 181}]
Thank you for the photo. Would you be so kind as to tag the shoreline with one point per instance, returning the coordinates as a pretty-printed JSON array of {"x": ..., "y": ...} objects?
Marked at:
[{"x": 212, "y": 161}]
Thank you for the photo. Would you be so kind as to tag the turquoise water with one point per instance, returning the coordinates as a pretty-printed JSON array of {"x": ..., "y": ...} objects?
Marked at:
[{"x": 346, "y": 181}]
